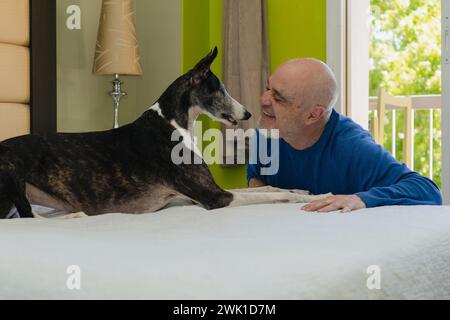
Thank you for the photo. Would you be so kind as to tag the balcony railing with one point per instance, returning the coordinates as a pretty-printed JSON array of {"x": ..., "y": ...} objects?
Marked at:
[{"x": 422, "y": 106}]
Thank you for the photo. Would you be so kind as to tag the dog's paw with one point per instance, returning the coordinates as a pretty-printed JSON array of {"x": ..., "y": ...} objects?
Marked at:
[
  {"x": 305, "y": 197},
  {"x": 272, "y": 189},
  {"x": 302, "y": 192},
  {"x": 319, "y": 197},
  {"x": 76, "y": 215}
]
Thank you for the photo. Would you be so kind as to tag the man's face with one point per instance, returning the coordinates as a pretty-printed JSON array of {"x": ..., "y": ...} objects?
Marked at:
[{"x": 280, "y": 104}]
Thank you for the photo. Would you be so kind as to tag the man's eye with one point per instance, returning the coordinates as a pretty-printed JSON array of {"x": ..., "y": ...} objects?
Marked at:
[{"x": 277, "y": 99}]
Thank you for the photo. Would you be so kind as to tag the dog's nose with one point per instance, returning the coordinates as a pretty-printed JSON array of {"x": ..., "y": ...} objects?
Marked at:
[{"x": 247, "y": 115}]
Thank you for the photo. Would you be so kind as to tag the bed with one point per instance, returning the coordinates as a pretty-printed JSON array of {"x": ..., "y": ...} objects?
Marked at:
[
  {"x": 256, "y": 252},
  {"x": 184, "y": 252}
]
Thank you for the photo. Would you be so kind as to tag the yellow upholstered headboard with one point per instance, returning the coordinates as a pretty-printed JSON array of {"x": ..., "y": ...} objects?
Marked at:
[{"x": 14, "y": 68}]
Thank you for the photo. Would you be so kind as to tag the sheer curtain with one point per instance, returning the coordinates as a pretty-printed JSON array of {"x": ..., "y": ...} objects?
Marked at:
[{"x": 246, "y": 57}]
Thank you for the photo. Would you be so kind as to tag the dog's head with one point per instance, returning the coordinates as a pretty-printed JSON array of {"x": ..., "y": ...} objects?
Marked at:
[{"x": 209, "y": 94}]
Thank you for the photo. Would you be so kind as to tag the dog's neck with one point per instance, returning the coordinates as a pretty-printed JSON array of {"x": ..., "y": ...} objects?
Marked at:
[
  {"x": 178, "y": 119},
  {"x": 181, "y": 122},
  {"x": 193, "y": 113}
]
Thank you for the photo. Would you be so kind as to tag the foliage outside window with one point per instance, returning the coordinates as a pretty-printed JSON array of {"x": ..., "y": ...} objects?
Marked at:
[{"x": 405, "y": 59}]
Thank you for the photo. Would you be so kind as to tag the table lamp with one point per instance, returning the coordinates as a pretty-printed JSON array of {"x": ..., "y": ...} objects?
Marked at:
[{"x": 117, "y": 50}]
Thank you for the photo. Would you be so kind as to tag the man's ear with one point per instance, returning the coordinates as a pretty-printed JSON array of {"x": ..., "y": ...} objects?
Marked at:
[
  {"x": 201, "y": 70},
  {"x": 317, "y": 113}
]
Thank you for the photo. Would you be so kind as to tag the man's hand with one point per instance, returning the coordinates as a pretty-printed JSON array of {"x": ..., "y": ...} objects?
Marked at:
[
  {"x": 336, "y": 203},
  {"x": 255, "y": 183}
]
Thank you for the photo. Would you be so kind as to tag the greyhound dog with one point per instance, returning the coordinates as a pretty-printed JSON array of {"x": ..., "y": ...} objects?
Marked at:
[{"x": 128, "y": 170}]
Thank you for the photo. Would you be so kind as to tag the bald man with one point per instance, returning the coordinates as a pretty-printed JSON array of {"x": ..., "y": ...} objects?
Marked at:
[{"x": 324, "y": 152}]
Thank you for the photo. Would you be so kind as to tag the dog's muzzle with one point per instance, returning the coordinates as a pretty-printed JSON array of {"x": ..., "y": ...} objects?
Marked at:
[{"x": 247, "y": 115}]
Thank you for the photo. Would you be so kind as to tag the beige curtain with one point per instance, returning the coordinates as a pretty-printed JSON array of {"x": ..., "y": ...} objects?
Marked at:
[{"x": 246, "y": 59}]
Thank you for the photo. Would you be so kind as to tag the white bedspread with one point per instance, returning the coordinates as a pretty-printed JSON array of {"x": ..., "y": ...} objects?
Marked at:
[{"x": 256, "y": 252}]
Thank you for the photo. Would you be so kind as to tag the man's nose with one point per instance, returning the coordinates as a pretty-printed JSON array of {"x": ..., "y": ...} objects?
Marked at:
[{"x": 265, "y": 99}]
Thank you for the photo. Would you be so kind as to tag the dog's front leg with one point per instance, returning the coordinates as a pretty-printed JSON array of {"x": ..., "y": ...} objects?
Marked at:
[
  {"x": 242, "y": 198},
  {"x": 270, "y": 189},
  {"x": 196, "y": 183}
]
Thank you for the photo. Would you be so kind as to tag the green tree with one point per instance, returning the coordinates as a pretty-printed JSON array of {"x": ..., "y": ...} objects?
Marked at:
[{"x": 405, "y": 59}]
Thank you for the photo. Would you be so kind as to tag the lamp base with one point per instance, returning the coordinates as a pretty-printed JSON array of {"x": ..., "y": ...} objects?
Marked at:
[{"x": 117, "y": 94}]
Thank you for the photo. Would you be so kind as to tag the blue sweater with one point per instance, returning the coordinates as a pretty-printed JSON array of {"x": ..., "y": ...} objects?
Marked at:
[{"x": 346, "y": 160}]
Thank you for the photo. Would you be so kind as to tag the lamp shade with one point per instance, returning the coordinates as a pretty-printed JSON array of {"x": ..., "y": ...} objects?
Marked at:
[{"x": 117, "y": 50}]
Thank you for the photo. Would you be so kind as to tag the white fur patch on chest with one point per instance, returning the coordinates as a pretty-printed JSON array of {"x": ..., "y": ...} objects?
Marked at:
[
  {"x": 188, "y": 140},
  {"x": 157, "y": 109}
]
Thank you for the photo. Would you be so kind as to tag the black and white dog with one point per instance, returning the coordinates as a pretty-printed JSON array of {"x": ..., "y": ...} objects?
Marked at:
[{"x": 129, "y": 169}]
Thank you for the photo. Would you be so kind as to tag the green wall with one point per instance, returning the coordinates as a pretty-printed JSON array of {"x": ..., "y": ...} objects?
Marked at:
[
  {"x": 297, "y": 28},
  {"x": 195, "y": 33}
]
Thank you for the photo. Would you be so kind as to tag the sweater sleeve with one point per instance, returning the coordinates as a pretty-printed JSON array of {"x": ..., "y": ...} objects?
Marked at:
[{"x": 386, "y": 182}]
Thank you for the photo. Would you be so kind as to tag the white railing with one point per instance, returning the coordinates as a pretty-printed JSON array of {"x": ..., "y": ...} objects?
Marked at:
[
  {"x": 425, "y": 102},
  {"x": 422, "y": 102}
]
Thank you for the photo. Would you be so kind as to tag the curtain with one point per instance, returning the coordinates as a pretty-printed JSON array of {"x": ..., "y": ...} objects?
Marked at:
[{"x": 246, "y": 59}]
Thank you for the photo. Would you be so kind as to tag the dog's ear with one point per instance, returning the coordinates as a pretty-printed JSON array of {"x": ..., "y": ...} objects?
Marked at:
[
  {"x": 201, "y": 70},
  {"x": 207, "y": 61}
]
